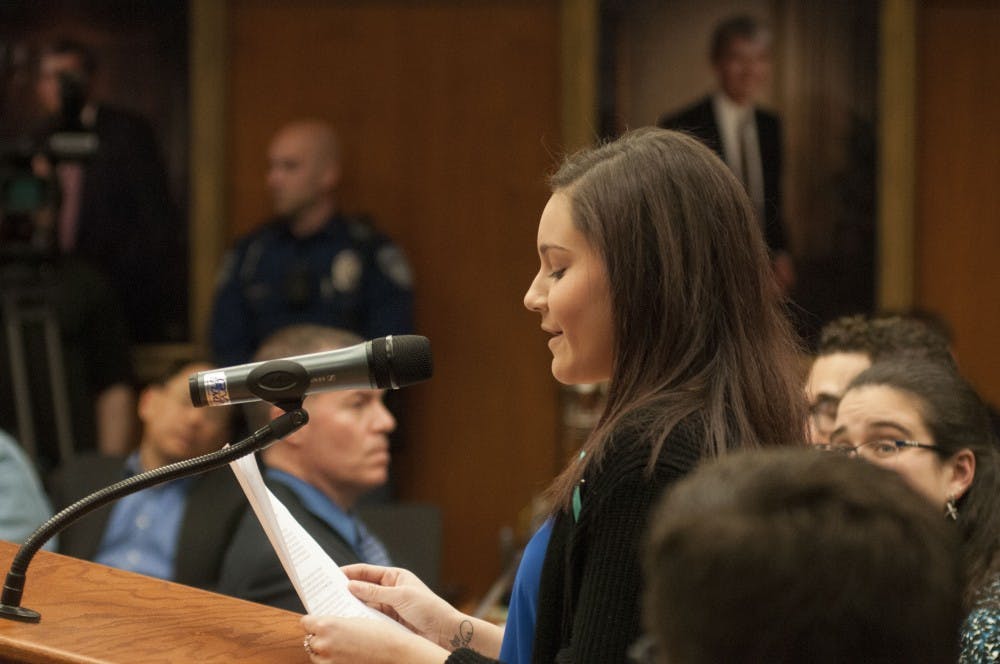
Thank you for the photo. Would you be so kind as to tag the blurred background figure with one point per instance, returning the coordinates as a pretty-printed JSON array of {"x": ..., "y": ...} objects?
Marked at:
[
  {"x": 746, "y": 136},
  {"x": 114, "y": 205},
  {"x": 312, "y": 263},
  {"x": 789, "y": 556},
  {"x": 69, "y": 382},
  {"x": 23, "y": 503},
  {"x": 178, "y": 530}
]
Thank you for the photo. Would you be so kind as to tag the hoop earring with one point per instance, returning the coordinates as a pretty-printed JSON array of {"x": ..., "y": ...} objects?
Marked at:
[{"x": 950, "y": 510}]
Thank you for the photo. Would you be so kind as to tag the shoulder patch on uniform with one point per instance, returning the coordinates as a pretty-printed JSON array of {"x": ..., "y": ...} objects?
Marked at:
[
  {"x": 227, "y": 269},
  {"x": 345, "y": 271},
  {"x": 394, "y": 265}
]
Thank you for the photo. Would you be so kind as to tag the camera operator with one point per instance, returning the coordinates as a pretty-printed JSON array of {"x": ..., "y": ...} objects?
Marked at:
[
  {"x": 65, "y": 329},
  {"x": 115, "y": 208}
]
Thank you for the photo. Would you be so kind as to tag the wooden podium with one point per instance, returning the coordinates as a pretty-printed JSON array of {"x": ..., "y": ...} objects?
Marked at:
[{"x": 98, "y": 615}]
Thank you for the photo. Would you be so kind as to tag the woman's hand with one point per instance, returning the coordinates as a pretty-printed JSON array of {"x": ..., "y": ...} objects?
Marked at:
[
  {"x": 403, "y": 597},
  {"x": 331, "y": 640}
]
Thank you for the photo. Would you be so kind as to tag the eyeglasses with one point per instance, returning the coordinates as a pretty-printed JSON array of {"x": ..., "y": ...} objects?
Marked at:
[
  {"x": 824, "y": 413},
  {"x": 876, "y": 449}
]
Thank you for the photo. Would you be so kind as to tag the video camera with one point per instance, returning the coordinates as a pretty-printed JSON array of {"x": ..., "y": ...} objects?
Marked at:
[{"x": 23, "y": 193}]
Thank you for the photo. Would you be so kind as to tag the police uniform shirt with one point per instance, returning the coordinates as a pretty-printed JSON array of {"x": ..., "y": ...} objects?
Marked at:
[{"x": 346, "y": 275}]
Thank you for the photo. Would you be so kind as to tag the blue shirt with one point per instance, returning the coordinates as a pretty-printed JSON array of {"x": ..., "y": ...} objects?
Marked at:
[
  {"x": 326, "y": 510},
  {"x": 519, "y": 634},
  {"x": 23, "y": 504},
  {"x": 143, "y": 528}
]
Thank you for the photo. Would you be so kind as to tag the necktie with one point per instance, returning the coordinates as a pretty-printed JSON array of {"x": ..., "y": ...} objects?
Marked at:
[
  {"x": 370, "y": 548},
  {"x": 750, "y": 165}
]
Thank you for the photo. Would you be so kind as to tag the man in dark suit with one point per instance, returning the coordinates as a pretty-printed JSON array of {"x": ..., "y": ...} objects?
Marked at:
[
  {"x": 746, "y": 136},
  {"x": 176, "y": 531},
  {"x": 318, "y": 472},
  {"x": 115, "y": 211}
]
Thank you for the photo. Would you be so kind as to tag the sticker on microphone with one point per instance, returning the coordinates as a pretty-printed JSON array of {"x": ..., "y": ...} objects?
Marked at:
[{"x": 216, "y": 389}]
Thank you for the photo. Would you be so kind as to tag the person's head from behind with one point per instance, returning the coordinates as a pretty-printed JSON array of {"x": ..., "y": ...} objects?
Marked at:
[
  {"x": 785, "y": 556},
  {"x": 303, "y": 168},
  {"x": 849, "y": 345},
  {"x": 64, "y": 65},
  {"x": 344, "y": 449},
  {"x": 740, "y": 53},
  {"x": 922, "y": 420},
  {"x": 654, "y": 274},
  {"x": 173, "y": 429}
]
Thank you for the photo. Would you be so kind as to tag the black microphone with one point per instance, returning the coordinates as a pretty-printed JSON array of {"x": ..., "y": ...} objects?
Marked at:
[{"x": 384, "y": 363}]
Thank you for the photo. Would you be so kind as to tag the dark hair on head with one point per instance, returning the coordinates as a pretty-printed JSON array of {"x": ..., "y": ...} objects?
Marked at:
[
  {"x": 847, "y": 334},
  {"x": 698, "y": 322},
  {"x": 957, "y": 419},
  {"x": 743, "y": 26},
  {"x": 792, "y": 555},
  {"x": 290, "y": 341},
  {"x": 67, "y": 46},
  {"x": 887, "y": 336},
  {"x": 172, "y": 368}
]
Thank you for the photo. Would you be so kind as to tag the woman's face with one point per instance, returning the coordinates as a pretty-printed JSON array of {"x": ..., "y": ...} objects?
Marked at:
[
  {"x": 879, "y": 412},
  {"x": 571, "y": 293}
]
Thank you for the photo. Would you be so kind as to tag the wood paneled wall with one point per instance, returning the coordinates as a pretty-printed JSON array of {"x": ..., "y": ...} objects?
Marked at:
[
  {"x": 449, "y": 116},
  {"x": 958, "y": 165}
]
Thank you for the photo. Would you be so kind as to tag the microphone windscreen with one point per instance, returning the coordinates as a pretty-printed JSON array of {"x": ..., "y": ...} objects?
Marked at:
[{"x": 398, "y": 361}]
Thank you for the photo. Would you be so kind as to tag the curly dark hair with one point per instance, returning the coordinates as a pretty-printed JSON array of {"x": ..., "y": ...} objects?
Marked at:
[{"x": 886, "y": 336}]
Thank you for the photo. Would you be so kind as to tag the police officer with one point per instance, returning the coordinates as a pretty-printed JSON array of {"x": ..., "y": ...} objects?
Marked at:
[{"x": 312, "y": 264}]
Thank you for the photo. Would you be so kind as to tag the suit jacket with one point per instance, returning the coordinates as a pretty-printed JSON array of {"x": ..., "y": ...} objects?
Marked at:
[
  {"x": 699, "y": 121},
  {"x": 211, "y": 515},
  {"x": 251, "y": 569}
]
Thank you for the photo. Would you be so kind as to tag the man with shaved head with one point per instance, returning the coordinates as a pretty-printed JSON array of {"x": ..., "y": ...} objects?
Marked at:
[{"x": 312, "y": 263}]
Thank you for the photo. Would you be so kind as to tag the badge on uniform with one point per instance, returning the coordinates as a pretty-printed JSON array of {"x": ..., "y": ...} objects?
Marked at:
[
  {"x": 345, "y": 271},
  {"x": 393, "y": 264}
]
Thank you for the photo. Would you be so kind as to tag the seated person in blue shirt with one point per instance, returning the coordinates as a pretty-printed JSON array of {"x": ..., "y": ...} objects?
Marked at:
[
  {"x": 23, "y": 504},
  {"x": 318, "y": 472},
  {"x": 176, "y": 531}
]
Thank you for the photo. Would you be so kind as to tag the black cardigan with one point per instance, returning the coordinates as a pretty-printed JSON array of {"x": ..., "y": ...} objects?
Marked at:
[{"x": 590, "y": 592}]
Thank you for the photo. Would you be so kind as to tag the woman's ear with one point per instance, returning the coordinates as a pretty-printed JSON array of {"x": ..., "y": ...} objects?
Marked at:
[{"x": 963, "y": 470}]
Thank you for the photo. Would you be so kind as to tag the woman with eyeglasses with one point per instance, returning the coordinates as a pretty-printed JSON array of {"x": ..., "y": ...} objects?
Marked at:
[
  {"x": 653, "y": 274},
  {"x": 924, "y": 421}
]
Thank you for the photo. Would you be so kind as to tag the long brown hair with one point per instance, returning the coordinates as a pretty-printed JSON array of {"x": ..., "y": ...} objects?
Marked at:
[{"x": 698, "y": 321}]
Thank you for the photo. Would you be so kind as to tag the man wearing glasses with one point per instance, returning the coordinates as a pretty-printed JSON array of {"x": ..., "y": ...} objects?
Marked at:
[{"x": 851, "y": 344}]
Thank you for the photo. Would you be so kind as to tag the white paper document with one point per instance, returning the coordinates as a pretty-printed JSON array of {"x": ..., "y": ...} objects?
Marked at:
[{"x": 320, "y": 584}]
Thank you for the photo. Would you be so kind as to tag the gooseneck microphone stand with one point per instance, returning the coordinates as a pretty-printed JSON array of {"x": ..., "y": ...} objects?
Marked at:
[{"x": 10, "y": 602}]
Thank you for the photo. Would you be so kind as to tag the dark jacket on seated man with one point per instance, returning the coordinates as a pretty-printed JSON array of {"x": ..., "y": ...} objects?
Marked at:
[{"x": 252, "y": 570}]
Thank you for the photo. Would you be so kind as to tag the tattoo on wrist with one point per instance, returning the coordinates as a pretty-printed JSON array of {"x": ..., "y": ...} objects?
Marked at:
[{"x": 464, "y": 636}]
